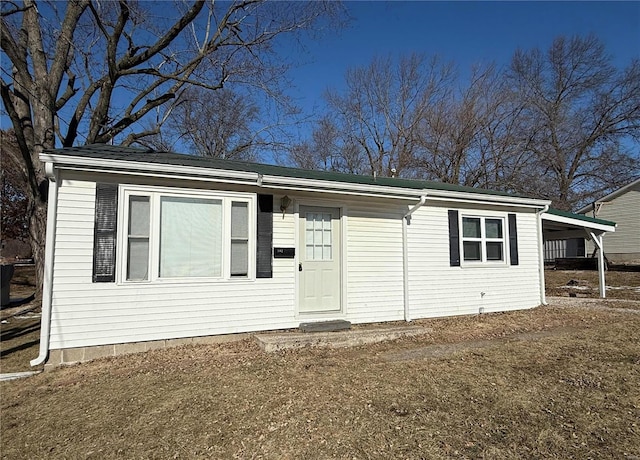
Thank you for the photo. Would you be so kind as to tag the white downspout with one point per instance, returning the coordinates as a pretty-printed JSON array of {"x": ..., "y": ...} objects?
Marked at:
[
  {"x": 47, "y": 282},
  {"x": 543, "y": 297},
  {"x": 405, "y": 255}
]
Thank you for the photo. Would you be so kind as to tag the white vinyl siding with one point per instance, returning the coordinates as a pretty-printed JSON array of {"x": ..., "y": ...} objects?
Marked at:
[
  {"x": 86, "y": 313},
  {"x": 437, "y": 289},
  {"x": 374, "y": 263},
  {"x": 624, "y": 210}
]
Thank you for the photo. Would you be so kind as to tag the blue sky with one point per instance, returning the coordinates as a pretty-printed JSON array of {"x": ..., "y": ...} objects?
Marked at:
[{"x": 462, "y": 32}]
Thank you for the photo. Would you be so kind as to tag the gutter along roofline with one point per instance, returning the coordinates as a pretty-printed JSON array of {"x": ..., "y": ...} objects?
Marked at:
[{"x": 68, "y": 161}]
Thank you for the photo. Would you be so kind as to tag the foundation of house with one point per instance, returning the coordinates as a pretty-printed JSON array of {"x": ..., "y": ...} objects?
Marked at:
[{"x": 68, "y": 356}]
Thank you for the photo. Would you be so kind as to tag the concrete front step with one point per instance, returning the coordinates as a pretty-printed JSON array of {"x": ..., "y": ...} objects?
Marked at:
[
  {"x": 325, "y": 326},
  {"x": 342, "y": 339}
]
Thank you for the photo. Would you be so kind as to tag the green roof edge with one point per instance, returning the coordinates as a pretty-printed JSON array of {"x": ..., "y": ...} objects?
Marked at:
[
  {"x": 276, "y": 170},
  {"x": 557, "y": 212}
]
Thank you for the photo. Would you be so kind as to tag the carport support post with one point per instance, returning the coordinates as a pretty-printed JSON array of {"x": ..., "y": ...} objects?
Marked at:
[{"x": 597, "y": 240}]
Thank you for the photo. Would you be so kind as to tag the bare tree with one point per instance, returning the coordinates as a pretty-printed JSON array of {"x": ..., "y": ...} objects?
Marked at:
[
  {"x": 227, "y": 123},
  {"x": 563, "y": 125},
  {"x": 86, "y": 71},
  {"x": 330, "y": 149},
  {"x": 218, "y": 124},
  {"x": 376, "y": 118},
  {"x": 14, "y": 224},
  {"x": 576, "y": 113},
  {"x": 451, "y": 132}
]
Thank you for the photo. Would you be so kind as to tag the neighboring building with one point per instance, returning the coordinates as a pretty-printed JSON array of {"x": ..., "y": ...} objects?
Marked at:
[
  {"x": 622, "y": 207},
  {"x": 149, "y": 248}
]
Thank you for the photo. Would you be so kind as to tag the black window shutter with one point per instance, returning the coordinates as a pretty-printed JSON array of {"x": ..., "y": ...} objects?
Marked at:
[
  {"x": 105, "y": 233},
  {"x": 454, "y": 239},
  {"x": 264, "y": 245},
  {"x": 513, "y": 240}
]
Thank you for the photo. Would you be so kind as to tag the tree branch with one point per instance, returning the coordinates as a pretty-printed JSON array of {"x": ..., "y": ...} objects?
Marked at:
[
  {"x": 17, "y": 54},
  {"x": 31, "y": 25},
  {"x": 23, "y": 144},
  {"x": 128, "y": 62},
  {"x": 60, "y": 61}
]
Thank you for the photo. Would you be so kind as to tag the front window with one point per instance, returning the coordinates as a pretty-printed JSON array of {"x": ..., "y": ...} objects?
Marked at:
[
  {"x": 187, "y": 235},
  {"x": 239, "y": 238},
  {"x": 138, "y": 238},
  {"x": 190, "y": 237},
  {"x": 483, "y": 239}
]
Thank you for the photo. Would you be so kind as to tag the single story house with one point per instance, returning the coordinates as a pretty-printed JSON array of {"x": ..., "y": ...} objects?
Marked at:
[
  {"x": 623, "y": 207},
  {"x": 146, "y": 249}
]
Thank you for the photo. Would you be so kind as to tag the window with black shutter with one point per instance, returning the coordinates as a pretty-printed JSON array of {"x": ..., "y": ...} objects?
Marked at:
[
  {"x": 513, "y": 240},
  {"x": 264, "y": 246},
  {"x": 478, "y": 239},
  {"x": 105, "y": 233},
  {"x": 454, "y": 239}
]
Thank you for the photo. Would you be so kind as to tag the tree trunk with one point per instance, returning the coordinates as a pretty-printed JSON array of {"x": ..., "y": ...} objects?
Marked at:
[
  {"x": 38, "y": 231},
  {"x": 43, "y": 135}
]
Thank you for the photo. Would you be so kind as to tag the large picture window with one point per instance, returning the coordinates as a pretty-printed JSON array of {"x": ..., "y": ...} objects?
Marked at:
[
  {"x": 190, "y": 237},
  {"x": 483, "y": 239},
  {"x": 172, "y": 235}
]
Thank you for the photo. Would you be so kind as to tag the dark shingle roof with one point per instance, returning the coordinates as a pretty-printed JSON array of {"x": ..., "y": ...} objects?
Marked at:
[{"x": 112, "y": 152}]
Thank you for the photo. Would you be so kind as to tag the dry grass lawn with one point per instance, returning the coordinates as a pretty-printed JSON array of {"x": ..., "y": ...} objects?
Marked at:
[
  {"x": 19, "y": 340},
  {"x": 20, "y": 328},
  {"x": 22, "y": 282},
  {"x": 544, "y": 383}
]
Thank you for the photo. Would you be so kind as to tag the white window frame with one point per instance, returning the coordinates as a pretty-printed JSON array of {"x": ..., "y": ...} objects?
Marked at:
[
  {"x": 155, "y": 194},
  {"x": 483, "y": 240}
]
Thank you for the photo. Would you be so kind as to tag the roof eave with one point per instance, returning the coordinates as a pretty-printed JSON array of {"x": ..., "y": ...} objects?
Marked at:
[
  {"x": 102, "y": 165},
  {"x": 579, "y": 223},
  {"x": 144, "y": 168}
]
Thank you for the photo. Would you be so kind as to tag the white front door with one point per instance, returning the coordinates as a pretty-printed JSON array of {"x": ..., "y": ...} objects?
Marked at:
[{"x": 319, "y": 260}]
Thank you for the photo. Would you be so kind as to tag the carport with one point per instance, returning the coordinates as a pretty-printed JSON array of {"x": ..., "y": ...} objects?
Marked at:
[{"x": 560, "y": 225}]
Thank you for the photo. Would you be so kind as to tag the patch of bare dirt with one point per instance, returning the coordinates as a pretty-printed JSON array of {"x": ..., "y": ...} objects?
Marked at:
[
  {"x": 585, "y": 284},
  {"x": 628, "y": 306}
]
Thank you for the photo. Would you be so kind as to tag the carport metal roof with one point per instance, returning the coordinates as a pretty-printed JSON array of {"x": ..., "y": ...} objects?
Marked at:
[{"x": 561, "y": 225}]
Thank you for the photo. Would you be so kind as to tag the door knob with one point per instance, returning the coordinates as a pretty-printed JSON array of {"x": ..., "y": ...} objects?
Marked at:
[{"x": 299, "y": 267}]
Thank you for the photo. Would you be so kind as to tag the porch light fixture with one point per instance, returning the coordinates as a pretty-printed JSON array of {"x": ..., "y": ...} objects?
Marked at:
[{"x": 285, "y": 201}]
